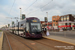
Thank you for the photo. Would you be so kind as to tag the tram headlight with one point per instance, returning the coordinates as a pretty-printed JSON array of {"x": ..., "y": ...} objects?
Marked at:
[{"x": 32, "y": 33}]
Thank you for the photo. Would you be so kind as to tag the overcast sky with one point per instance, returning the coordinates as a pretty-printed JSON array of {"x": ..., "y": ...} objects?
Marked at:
[{"x": 34, "y": 8}]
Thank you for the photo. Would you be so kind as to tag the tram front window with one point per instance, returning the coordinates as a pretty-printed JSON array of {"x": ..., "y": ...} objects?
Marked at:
[{"x": 35, "y": 27}]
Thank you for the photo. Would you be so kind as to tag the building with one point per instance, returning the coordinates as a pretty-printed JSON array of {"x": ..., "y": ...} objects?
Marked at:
[
  {"x": 44, "y": 24},
  {"x": 55, "y": 20},
  {"x": 67, "y": 22}
]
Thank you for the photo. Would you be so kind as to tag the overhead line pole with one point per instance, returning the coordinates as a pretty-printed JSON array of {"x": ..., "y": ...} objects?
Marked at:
[
  {"x": 47, "y": 18},
  {"x": 20, "y": 14}
]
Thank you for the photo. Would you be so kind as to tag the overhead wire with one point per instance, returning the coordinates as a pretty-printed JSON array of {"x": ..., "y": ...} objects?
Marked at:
[
  {"x": 40, "y": 8},
  {"x": 46, "y": 4},
  {"x": 29, "y": 6},
  {"x": 12, "y": 6}
]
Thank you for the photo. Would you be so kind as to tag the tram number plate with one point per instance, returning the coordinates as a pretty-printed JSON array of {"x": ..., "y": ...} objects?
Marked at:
[{"x": 34, "y": 20}]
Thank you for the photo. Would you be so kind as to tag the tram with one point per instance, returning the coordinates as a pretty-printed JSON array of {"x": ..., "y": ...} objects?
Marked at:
[{"x": 29, "y": 28}]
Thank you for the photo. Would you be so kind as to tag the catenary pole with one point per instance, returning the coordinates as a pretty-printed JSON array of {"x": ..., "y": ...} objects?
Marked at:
[
  {"x": 20, "y": 14},
  {"x": 47, "y": 18}
]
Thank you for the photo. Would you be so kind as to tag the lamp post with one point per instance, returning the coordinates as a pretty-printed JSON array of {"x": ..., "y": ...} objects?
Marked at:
[
  {"x": 47, "y": 33},
  {"x": 20, "y": 15},
  {"x": 47, "y": 18}
]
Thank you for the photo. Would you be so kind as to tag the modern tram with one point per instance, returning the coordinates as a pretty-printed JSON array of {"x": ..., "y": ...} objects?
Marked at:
[{"x": 29, "y": 28}]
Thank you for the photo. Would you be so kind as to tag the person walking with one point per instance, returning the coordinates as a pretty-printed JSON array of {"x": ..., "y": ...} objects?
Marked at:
[{"x": 45, "y": 30}]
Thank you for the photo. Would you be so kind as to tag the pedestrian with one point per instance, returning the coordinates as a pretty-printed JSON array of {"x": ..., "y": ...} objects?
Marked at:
[
  {"x": 47, "y": 33},
  {"x": 45, "y": 30}
]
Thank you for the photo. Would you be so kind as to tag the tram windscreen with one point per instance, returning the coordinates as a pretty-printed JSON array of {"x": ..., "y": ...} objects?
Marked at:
[{"x": 35, "y": 27}]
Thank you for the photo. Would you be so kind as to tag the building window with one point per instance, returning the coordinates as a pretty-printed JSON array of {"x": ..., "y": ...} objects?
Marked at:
[
  {"x": 64, "y": 18},
  {"x": 67, "y": 18},
  {"x": 56, "y": 21},
  {"x": 53, "y": 20},
  {"x": 61, "y": 18},
  {"x": 53, "y": 24}
]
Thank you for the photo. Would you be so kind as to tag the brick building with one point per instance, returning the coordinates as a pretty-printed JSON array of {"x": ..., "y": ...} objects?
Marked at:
[
  {"x": 67, "y": 22},
  {"x": 44, "y": 24},
  {"x": 55, "y": 20}
]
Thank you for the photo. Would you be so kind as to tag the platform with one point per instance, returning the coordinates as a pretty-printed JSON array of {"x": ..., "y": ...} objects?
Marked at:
[{"x": 61, "y": 39}]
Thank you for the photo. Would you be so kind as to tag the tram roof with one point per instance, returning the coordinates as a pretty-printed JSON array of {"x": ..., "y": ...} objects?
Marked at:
[{"x": 30, "y": 18}]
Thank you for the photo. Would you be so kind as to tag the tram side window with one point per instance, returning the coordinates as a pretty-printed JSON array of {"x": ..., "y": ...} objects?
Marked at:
[
  {"x": 27, "y": 26},
  {"x": 21, "y": 24}
]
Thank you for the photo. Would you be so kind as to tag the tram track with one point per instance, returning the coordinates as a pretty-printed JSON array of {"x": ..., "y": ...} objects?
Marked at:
[
  {"x": 49, "y": 43},
  {"x": 46, "y": 45},
  {"x": 8, "y": 42},
  {"x": 43, "y": 42},
  {"x": 39, "y": 43},
  {"x": 17, "y": 40}
]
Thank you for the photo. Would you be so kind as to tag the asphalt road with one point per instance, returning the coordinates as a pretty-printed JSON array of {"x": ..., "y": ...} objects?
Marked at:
[
  {"x": 69, "y": 34},
  {"x": 19, "y": 43}
]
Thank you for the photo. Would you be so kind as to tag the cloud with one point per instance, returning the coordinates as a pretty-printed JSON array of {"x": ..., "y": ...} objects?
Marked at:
[
  {"x": 69, "y": 9},
  {"x": 55, "y": 7},
  {"x": 50, "y": 5},
  {"x": 3, "y": 20}
]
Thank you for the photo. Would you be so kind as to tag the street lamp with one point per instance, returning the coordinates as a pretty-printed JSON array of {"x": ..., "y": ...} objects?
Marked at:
[
  {"x": 47, "y": 18},
  {"x": 20, "y": 14},
  {"x": 47, "y": 33}
]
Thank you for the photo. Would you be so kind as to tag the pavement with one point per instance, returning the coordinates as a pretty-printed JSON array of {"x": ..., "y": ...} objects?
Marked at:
[
  {"x": 68, "y": 34},
  {"x": 1, "y": 40},
  {"x": 60, "y": 39}
]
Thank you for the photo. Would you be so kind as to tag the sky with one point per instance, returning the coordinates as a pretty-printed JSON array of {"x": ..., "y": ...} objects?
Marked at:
[{"x": 34, "y": 8}]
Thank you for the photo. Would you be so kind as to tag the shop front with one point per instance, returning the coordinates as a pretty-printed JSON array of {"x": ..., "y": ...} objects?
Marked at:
[
  {"x": 67, "y": 25},
  {"x": 73, "y": 27}
]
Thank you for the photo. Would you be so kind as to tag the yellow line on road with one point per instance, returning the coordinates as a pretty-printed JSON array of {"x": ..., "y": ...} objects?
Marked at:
[{"x": 59, "y": 41}]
